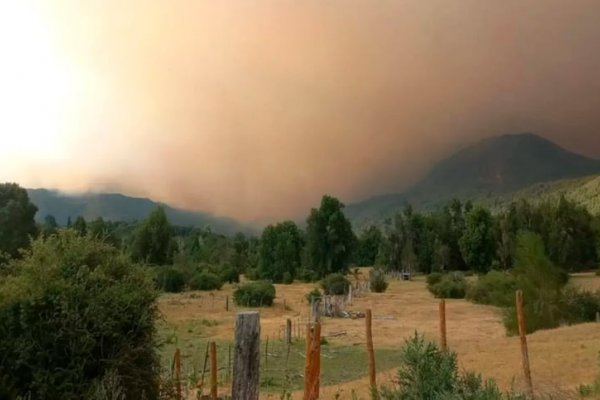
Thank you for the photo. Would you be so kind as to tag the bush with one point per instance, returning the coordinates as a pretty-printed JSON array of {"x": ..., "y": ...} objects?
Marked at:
[
  {"x": 434, "y": 278},
  {"x": 579, "y": 305},
  {"x": 255, "y": 294},
  {"x": 314, "y": 295},
  {"x": 307, "y": 275},
  {"x": 378, "y": 282},
  {"x": 335, "y": 284},
  {"x": 229, "y": 274},
  {"x": 426, "y": 372},
  {"x": 451, "y": 286},
  {"x": 288, "y": 279},
  {"x": 76, "y": 317},
  {"x": 495, "y": 288},
  {"x": 170, "y": 280},
  {"x": 205, "y": 281}
]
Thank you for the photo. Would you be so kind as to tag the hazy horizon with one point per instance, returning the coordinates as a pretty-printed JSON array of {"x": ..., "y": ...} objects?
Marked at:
[{"x": 255, "y": 109}]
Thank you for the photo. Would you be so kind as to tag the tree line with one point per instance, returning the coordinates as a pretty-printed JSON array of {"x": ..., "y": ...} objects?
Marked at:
[
  {"x": 458, "y": 237},
  {"x": 462, "y": 236}
]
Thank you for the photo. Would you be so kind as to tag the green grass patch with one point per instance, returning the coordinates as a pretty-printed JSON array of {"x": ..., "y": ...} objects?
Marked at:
[{"x": 283, "y": 368}]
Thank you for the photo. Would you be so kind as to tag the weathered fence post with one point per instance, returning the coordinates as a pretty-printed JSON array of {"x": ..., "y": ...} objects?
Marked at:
[
  {"x": 350, "y": 294},
  {"x": 213, "y": 370},
  {"x": 267, "y": 353},
  {"x": 371, "y": 353},
  {"x": 315, "y": 311},
  {"x": 523, "y": 335},
  {"x": 178, "y": 374},
  {"x": 288, "y": 331},
  {"x": 226, "y": 303},
  {"x": 228, "y": 374},
  {"x": 246, "y": 359},
  {"x": 206, "y": 356},
  {"x": 312, "y": 369},
  {"x": 443, "y": 338}
]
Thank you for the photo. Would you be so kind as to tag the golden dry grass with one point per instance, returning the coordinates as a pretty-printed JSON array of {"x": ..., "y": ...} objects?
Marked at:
[{"x": 562, "y": 358}]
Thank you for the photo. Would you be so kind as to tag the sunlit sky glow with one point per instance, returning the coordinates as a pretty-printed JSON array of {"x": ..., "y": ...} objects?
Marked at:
[{"x": 255, "y": 108}]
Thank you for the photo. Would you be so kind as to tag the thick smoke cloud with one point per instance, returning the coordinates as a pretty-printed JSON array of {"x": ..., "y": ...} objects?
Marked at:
[{"x": 254, "y": 109}]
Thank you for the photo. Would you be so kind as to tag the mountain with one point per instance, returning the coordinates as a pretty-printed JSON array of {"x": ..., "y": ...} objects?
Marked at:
[
  {"x": 583, "y": 191},
  {"x": 117, "y": 207},
  {"x": 492, "y": 167}
]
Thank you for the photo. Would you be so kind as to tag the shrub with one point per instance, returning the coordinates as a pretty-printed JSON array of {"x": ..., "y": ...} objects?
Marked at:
[
  {"x": 426, "y": 372},
  {"x": 495, "y": 288},
  {"x": 579, "y": 306},
  {"x": 205, "y": 281},
  {"x": 434, "y": 278},
  {"x": 378, "y": 282},
  {"x": 314, "y": 295},
  {"x": 451, "y": 286},
  {"x": 170, "y": 280},
  {"x": 229, "y": 274},
  {"x": 288, "y": 279},
  {"x": 255, "y": 294},
  {"x": 335, "y": 284},
  {"x": 307, "y": 275},
  {"x": 77, "y": 317}
]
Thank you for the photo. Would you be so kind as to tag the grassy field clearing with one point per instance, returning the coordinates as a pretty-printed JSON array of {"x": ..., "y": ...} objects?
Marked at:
[{"x": 561, "y": 359}]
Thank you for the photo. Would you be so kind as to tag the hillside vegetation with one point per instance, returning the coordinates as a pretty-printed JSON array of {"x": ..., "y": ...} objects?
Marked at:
[{"x": 492, "y": 171}]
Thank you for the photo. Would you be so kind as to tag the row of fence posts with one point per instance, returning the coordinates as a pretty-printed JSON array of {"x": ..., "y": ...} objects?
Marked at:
[{"x": 246, "y": 355}]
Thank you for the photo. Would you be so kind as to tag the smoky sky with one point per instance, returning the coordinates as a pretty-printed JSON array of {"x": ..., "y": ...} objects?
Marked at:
[{"x": 255, "y": 109}]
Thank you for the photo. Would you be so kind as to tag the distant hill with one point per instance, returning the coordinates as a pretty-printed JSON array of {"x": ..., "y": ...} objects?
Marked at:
[
  {"x": 488, "y": 169},
  {"x": 583, "y": 191},
  {"x": 117, "y": 207}
]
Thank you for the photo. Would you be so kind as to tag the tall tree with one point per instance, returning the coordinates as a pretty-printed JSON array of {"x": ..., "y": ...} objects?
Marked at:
[
  {"x": 368, "y": 246},
  {"x": 80, "y": 225},
  {"x": 478, "y": 243},
  {"x": 17, "y": 222},
  {"x": 153, "y": 239},
  {"x": 280, "y": 252},
  {"x": 50, "y": 225},
  {"x": 329, "y": 238}
]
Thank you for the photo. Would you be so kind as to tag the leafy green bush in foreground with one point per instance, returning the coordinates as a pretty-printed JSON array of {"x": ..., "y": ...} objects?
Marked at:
[
  {"x": 427, "y": 372},
  {"x": 75, "y": 316}
]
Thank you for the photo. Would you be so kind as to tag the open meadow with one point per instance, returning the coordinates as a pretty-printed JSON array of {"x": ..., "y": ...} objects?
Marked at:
[{"x": 561, "y": 359}]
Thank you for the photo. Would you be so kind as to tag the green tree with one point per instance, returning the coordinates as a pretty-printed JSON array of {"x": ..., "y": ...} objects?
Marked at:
[
  {"x": 329, "y": 238},
  {"x": 17, "y": 222},
  {"x": 541, "y": 282},
  {"x": 367, "y": 246},
  {"x": 153, "y": 242},
  {"x": 80, "y": 225},
  {"x": 76, "y": 314},
  {"x": 50, "y": 225},
  {"x": 280, "y": 252},
  {"x": 478, "y": 245},
  {"x": 240, "y": 258}
]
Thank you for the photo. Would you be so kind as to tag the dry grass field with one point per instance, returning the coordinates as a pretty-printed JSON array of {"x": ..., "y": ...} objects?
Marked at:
[{"x": 561, "y": 359}]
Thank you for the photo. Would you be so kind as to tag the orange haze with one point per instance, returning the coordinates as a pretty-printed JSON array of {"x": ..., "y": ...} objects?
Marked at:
[{"x": 255, "y": 108}]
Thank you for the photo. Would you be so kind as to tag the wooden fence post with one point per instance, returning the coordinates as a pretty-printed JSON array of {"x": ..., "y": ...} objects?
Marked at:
[
  {"x": 246, "y": 359},
  {"x": 267, "y": 353},
  {"x": 315, "y": 311},
  {"x": 226, "y": 303},
  {"x": 443, "y": 338},
  {"x": 371, "y": 353},
  {"x": 178, "y": 374},
  {"x": 523, "y": 335},
  {"x": 288, "y": 331},
  {"x": 312, "y": 369},
  {"x": 213, "y": 370}
]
